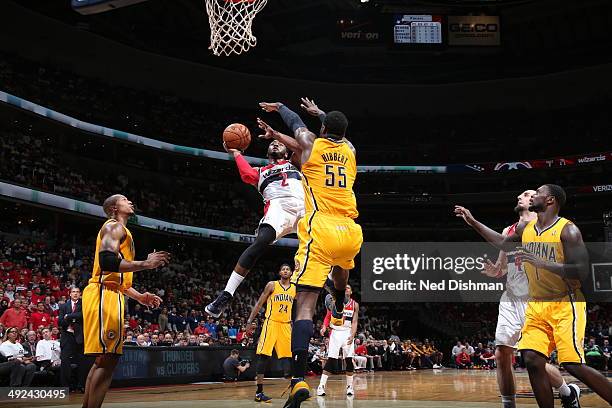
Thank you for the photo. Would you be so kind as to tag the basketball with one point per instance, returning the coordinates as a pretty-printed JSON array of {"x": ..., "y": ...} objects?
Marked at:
[{"x": 237, "y": 136}]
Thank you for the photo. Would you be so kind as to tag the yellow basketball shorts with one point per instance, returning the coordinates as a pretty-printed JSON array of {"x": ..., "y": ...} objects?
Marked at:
[
  {"x": 325, "y": 241},
  {"x": 103, "y": 319},
  {"x": 555, "y": 324},
  {"x": 275, "y": 335}
]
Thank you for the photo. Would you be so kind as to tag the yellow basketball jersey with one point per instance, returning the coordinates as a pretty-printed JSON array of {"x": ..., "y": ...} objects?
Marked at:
[
  {"x": 329, "y": 175},
  {"x": 120, "y": 281},
  {"x": 280, "y": 303},
  {"x": 546, "y": 244}
]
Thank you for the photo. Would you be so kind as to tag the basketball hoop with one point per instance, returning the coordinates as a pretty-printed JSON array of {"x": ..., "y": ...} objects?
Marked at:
[{"x": 231, "y": 23}]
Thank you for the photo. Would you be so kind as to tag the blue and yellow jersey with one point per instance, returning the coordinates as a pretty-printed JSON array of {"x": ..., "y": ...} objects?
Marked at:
[
  {"x": 547, "y": 245},
  {"x": 280, "y": 303},
  {"x": 329, "y": 175},
  {"x": 118, "y": 281}
]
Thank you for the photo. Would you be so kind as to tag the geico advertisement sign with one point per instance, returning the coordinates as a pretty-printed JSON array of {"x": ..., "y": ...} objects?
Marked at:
[{"x": 473, "y": 30}]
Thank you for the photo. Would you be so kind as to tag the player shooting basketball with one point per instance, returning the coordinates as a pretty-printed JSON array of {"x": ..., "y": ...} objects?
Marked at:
[
  {"x": 329, "y": 238},
  {"x": 280, "y": 185}
]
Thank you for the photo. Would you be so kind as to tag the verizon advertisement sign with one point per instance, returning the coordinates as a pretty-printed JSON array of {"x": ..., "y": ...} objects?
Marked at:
[
  {"x": 603, "y": 188},
  {"x": 357, "y": 31},
  {"x": 474, "y": 30}
]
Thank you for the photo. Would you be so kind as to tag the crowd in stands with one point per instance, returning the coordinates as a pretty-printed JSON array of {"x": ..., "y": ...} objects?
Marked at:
[
  {"x": 453, "y": 139},
  {"x": 156, "y": 115},
  {"x": 33, "y": 161},
  {"x": 36, "y": 277},
  {"x": 381, "y": 355},
  {"x": 465, "y": 356},
  {"x": 210, "y": 193}
]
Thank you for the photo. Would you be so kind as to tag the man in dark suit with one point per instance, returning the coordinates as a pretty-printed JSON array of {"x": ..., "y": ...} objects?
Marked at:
[
  {"x": 71, "y": 340},
  {"x": 29, "y": 346}
]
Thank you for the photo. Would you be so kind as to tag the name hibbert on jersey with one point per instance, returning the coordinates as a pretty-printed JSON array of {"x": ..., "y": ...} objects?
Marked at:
[
  {"x": 334, "y": 157},
  {"x": 427, "y": 285}
]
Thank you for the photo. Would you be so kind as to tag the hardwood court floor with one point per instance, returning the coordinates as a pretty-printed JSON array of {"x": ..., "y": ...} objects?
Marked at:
[{"x": 424, "y": 388}]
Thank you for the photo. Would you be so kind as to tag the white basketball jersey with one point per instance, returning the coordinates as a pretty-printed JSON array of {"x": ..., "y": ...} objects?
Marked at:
[
  {"x": 280, "y": 180},
  {"x": 349, "y": 310},
  {"x": 517, "y": 284}
]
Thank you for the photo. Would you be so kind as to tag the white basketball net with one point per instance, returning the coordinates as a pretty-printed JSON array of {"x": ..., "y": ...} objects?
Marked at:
[{"x": 231, "y": 23}]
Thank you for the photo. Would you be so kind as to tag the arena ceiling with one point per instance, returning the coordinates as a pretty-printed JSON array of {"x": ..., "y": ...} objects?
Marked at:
[{"x": 299, "y": 38}]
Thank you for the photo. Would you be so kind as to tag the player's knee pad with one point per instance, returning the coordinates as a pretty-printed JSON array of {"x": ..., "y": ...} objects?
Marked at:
[
  {"x": 301, "y": 333},
  {"x": 262, "y": 363},
  {"x": 350, "y": 367},
  {"x": 265, "y": 236},
  {"x": 331, "y": 365}
]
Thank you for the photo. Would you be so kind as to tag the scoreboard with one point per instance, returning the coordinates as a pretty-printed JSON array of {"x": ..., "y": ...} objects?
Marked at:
[{"x": 417, "y": 29}]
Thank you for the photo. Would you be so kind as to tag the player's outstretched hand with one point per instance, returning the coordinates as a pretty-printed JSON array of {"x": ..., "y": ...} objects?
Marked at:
[
  {"x": 157, "y": 259},
  {"x": 323, "y": 330},
  {"x": 270, "y": 106},
  {"x": 269, "y": 132},
  {"x": 227, "y": 149},
  {"x": 491, "y": 270},
  {"x": 531, "y": 258},
  {"x": 150, "y": 300},
  {"x": 350, "y": 340},
  {"x": 464, "y": 213},
  {"x": 311, "y": 107}
]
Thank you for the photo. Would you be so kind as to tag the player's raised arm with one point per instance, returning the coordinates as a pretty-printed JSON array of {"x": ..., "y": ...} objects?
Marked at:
[
  {"x": 576, "y": 264},
  {"x": 304, "y": 137},
  {"x": 262, "y": 299},
  {"x": 311, "y": 107},
  {"x": 248, "y": 174},
  {"x": 505, "y": 243},
  {"x": 287, "y": 140},
  {"x": 271, "y": 133},
  {"x": 111, "y": 236}
]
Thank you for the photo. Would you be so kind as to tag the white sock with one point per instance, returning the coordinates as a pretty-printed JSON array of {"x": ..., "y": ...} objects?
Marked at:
[
  {"x": 349, "y": 380},
  {"x": 564, "y": 390},
  {"x": 323, "y": 379},
  {"x": 233, "y": 282},
  {"x": 508, "y": 401}
]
